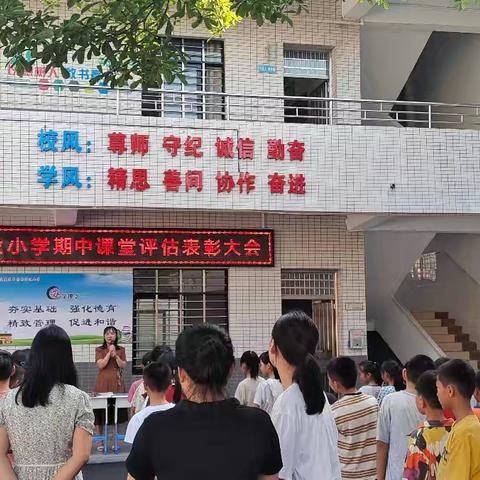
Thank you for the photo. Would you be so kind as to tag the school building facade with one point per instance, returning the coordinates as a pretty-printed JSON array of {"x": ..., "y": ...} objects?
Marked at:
[{"x": 249, "y": 191}]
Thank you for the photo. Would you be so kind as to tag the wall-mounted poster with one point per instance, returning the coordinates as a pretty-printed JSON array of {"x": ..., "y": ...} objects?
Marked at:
[{"x": 81, "y": 303}]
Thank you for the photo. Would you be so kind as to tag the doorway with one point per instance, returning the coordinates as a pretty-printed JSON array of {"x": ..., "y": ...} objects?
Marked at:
[
  {"x": 313, "y": 292},
  {"x": 304, "y": 109},
  {"x": 297, "y": 304}
]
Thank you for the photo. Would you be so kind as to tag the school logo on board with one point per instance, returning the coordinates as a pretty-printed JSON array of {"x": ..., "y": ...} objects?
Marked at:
[{"x": 54, "y": 293}]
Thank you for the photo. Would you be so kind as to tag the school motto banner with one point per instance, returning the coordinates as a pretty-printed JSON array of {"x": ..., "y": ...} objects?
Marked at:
[{"x": 82, "y": 304}]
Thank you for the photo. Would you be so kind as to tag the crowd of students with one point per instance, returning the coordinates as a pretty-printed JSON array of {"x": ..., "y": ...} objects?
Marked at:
[
  {"x": 411, "y": 423},
  {"x": 399, "y": 425},
  {"x": 409, "y": 433}
]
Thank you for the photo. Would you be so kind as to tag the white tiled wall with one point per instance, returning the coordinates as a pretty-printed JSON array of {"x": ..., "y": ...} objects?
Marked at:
[
  {"x": 313, "y": 242},
  {"x": 348, "y": 169},
  {"x": 247, "y": 46}
]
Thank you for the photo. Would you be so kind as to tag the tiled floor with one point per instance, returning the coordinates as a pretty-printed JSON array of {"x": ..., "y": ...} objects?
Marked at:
[{"x": 105, "y": 471}]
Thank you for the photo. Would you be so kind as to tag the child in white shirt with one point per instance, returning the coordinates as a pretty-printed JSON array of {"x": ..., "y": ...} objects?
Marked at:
[
  {"x": 246, "y": 390},
  {"x": 270, "y": 390},
  {"x": 157, "y": 377},
  {"x": 302, "y": 415}
]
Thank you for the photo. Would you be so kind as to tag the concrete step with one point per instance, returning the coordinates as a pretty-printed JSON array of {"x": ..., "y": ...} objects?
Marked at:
[
  {"x": 448, "y": 322},
  {"x": 436, "y": 322},
  {"x": 445, "y": 338},
  {"x": 438, "y": 331},
  {"x": 430, "y": 315},
  {"x": 449, "y": 336},
  {"x": 451, "y": 346},
  {"x": 457, "y": 330},
  {"x": 461, "y": 355},
  {"x": 424, "y": 315},
  {"x": 102, "y": 458}
]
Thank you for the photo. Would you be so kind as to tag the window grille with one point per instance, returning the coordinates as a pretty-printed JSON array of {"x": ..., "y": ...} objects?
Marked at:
[
  {"x": 425, "y": 268},
  {"x": 310, "y": 284},
  {"x": 166, "y": 301},
  {"x": 203, "y": 72},
  {"x": 306, "y": 63}
]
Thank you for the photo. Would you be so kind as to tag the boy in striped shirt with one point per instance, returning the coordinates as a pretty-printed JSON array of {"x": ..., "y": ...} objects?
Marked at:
[{"x": 356, "y": 416}]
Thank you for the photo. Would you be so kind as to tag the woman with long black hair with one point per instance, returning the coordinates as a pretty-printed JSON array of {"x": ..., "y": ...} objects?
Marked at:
[
  {"x": 47, "y": 422},
  {"x": 224, "y": 440},
  {"x": 302, "y": 415},
  {"x": 111, "y": 359}
]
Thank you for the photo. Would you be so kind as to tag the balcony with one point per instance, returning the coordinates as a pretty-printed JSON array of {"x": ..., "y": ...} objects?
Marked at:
[
  {"x": 195, "y": 105},
  {"x": 348, "y": 156}
]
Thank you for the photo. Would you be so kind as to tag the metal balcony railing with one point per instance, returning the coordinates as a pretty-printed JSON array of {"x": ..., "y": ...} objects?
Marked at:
[{"x": 83, "y": 99}]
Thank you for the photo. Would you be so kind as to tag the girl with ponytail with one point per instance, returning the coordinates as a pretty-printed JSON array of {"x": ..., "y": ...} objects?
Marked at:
[{"x": 302, "y": 414}]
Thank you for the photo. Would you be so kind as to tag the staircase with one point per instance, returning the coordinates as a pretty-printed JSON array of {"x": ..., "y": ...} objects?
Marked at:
[{"x": 449, "y": 336}]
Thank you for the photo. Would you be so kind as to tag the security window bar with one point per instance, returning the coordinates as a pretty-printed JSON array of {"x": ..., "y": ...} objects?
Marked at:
[
  {"x": 204, "y": 72},
  {"x": 166, "y": 301},
  {"x": 425, "y": 267},
  {"x": 308, "y": 284},
  {"x": 306, "y": 63}
]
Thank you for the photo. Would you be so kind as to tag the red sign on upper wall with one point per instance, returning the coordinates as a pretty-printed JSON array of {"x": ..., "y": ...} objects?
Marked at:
[{"x": 117, "y": 246}]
